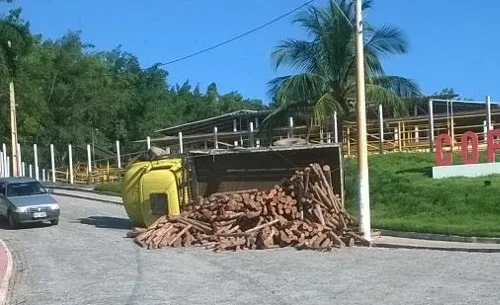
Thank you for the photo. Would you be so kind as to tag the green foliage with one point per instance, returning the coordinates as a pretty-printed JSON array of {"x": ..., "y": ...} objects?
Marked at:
[
  {"x": 404, "y": 197},
  {"x": 111, "y": 188},
  {"x": 67, "y": 91},
  {"x": 326, "y": 63}
]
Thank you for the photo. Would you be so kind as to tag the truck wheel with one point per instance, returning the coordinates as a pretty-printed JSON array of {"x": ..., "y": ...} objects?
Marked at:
[
  {"x": 54, "y": 222},
  {"x": 12, "y": 222}
]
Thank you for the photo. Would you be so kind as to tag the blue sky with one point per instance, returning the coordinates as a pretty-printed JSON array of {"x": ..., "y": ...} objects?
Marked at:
[{"x": 454, "y": 43}]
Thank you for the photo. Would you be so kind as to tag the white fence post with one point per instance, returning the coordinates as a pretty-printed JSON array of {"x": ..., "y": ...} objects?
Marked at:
[
  {"x": 89, "y": 159},
  {"x": 488, "y": 112},
  {"x": 71, "y": 180},
  {"x": 431, "y": 126},
  {"x": 118, "y": 156},
  {"x": 30, "y": 167},
  {"x": 381, "y": 127},
  {"x": 235, "y": 129},
  {"x": 35, "y": 155},
  {"x": 53, "y": 163},
  {"x": 181, "y": 144},
  {"x": 8, "y": 166},
  {"x": 148, "y": 142},
  {"x": 19, "y": 160},
  {"x": 216, "y": 140},
  {"x": 23, "y": 166},
  {"x": 335, "y": 128},
  {"x": 43, "y": 175}
]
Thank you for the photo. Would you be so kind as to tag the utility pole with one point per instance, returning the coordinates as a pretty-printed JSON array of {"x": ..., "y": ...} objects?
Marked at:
[
  {"x": 13, "y": 126},
  {"x": 364, "y": 187}
]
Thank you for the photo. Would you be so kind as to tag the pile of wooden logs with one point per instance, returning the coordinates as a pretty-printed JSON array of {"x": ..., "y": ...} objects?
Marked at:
[{"x": 303, "y": 212}]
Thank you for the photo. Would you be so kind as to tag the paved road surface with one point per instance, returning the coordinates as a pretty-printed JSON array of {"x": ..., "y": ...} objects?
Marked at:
[{"x": 87, "y": 260}]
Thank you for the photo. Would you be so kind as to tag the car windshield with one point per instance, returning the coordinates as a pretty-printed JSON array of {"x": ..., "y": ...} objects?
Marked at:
[{"x": 24, "y": 189}]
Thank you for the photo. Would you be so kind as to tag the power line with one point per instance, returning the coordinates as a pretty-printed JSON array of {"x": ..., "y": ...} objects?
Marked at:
[{"x": 239, "y": 36}]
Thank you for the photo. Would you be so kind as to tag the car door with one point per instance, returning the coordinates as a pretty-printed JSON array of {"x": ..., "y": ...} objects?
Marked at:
[{"x": 3, "y": 200}]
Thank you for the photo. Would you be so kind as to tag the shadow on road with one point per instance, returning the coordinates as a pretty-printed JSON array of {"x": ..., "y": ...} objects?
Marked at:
[
  {"x": 4, "y": 225},
  {"x": 107, "y": 222}
]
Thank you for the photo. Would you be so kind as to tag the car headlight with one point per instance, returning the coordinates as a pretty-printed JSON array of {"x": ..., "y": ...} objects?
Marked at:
[
  {"x": 22, "y": 209},
  {"x": 54, "y": 206}
]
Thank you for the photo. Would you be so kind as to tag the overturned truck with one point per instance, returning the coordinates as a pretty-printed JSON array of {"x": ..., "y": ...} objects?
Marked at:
[{"x": 165, "y": 185}]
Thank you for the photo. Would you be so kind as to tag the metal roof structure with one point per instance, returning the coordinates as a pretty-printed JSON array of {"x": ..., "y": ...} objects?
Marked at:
[{"x": 222, "y": 122}]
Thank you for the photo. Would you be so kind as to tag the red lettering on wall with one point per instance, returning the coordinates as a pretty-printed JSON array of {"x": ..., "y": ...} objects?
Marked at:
[
  {"x": 441, "y": 159},
  {"x": 464, "y": 140},
  {"x": 492, "y": 146}
]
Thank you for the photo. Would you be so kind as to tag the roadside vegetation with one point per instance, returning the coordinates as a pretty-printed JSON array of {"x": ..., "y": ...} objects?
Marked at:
[{"x": 404, "y": 197}]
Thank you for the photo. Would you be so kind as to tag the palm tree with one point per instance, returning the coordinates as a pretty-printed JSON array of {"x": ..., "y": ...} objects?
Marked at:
[{"x": 326, "y": 79}]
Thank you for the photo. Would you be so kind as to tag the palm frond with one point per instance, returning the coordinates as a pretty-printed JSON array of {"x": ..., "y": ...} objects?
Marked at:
[
  {"x": 387, "y": 40},
  {"x": 299, "y": 54},
  {"x": 378, "y": 95},
  {"x": 400, "y": 86}
]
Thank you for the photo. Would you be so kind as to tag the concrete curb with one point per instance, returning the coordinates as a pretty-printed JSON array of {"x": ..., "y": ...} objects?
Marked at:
[
  {"x": 87, "y": 197},
  {"x": 441, "y": 237},
  {"x": 4, "y": 285},
  {"x": 450, "y": 249}
]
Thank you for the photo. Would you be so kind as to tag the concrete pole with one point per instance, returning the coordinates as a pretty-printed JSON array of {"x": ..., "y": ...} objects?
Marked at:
[
  {"x": 30, "y": 169},
  {"x": 89, "y": 160},
  {"x": 43, "y": 175},
  {"x": 335, "y": 128},
  {"x": 118, "y": 155},
  {"x": 364, "y": 186},
  {"x": 216, "y": 140},
  {"x": 488, "y": 112},
  {"x": 23, "y": 167},
  {"x": 13, "y": 126},
  {"x": 417, "y": 135},
  {"x": 71, "y": 180},
  {"x": 381, "y": 127},
  {"x": 181, "y": 144},
  {"x": 35, "y": 155},
  {"x": 431, "y": 126},
  {"x": 148, "y": 142},
  {"x": 53, "y": 163},
  {"x": 235, "y": 129}
]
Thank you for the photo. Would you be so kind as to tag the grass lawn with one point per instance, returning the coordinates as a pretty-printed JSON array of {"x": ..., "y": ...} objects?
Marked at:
[
  {"x": 404, "y": 197},
  {"x": 114, "y": 188}
]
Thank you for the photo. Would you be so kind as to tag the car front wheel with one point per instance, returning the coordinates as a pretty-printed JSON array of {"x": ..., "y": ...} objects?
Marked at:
[
  {"x": 54, "y": 222},
  {"x": 12, "y": 222}
]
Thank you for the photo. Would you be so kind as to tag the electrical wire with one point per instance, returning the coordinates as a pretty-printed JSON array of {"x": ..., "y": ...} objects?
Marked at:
[{"x": 237, "y": 37}]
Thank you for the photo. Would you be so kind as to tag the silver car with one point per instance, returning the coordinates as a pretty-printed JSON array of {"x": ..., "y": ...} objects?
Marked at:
[{"x": 25, "y": 200}]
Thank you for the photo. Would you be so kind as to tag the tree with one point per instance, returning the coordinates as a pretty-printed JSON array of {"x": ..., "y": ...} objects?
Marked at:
[{"x": 326, "y": 79}]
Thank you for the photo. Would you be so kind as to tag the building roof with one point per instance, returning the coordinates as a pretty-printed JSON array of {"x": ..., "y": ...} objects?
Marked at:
[{"x": 222, "y": 122}]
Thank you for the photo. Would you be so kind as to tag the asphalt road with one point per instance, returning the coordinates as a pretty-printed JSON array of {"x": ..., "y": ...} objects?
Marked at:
[{"x": 86, "y": 259}]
